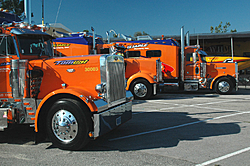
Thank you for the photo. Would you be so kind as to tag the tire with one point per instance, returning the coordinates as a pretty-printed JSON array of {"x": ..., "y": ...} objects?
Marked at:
[
  {"x": 68, "y": 125},
  {"x": 223, "y": 86},
  {"x": 141, "y": 89}
]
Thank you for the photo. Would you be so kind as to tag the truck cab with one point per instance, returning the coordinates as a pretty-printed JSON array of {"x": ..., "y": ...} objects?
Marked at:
[
  {"x": 221, "y": 77},
  {"x": 70, "y": 99},
  {"x": 195, "y": 67},
  {"x": 185, "y": 67}
]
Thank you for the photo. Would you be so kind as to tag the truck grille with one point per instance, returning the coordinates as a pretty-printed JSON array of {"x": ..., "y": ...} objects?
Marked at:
[
  {"x": 113, "y": 76},
  {"x": 116, "y": 88},
  {"x": 203, "y": 69}
]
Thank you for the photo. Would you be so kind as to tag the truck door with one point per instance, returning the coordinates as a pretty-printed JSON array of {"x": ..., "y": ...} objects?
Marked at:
[
  {"x": 7, "y": 52},
  {"x": 192, "y": 66}
]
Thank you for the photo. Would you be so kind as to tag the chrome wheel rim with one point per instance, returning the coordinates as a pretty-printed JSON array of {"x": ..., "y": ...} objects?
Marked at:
[
  {"x": 140, "y": 90},
  {"x": 223, "y": 86},
  {"x": 64, "y": 126}
]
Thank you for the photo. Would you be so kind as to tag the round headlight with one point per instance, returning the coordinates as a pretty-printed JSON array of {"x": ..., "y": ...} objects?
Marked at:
[{"x": 99, "y": 88}]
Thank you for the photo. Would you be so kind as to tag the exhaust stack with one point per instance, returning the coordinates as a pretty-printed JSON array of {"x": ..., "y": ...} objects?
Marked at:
[
  {"x": 182, "y": 54},
  {"x": 27, "y": 11},
  {"x": 93, "y": 31},
  {"x": 18, "y": 77},
  {"x": 187, "y": 39}
]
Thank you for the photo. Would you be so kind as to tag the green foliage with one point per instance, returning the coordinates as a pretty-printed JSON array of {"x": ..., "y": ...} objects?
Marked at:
[
  {"x": 14, "y": 6},
  {"x": 140, "y": 34},
  {"x": 221, "y": 29}
]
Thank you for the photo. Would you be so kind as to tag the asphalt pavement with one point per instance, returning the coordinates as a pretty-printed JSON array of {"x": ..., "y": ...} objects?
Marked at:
[{"x": 174, "y": 128}]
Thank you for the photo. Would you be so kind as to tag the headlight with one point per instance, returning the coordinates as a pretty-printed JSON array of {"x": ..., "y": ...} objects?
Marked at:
[{"x": 100, "y": 89}]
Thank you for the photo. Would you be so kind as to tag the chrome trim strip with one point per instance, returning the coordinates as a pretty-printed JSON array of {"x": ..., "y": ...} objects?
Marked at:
[
  {"x": 236, "y": 76},
  {"x": 171, "y": 84},
  {"x": 154, "y": 89},
  {"x": 101, "y": 105}
]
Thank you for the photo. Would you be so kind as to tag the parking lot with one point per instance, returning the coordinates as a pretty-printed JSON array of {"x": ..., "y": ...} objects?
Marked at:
[{"x": 199, "y": 128}]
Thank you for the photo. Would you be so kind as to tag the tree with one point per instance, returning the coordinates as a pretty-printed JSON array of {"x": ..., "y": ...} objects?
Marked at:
[
  {"x": 14, "y": 6},
  {"x": 140, "y": 34},
  {"x": 221, "y": 29}
]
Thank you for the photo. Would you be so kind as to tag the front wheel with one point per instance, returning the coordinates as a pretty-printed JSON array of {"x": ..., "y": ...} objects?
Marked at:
[
  {"x": 68, "y": 125},
  {"x": 223, "y": 86},
  {"x": 141, "y": 89}
]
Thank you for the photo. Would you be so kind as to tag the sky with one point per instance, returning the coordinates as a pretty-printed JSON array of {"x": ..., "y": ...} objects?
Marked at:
[{"x": 155, "y": 17}]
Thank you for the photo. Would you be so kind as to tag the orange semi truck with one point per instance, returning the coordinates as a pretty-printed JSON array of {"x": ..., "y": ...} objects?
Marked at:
[
  {"x": 185, "y": 68},
  {"x": 69, "y": 99},
  {"x": 143, "y": 75}
]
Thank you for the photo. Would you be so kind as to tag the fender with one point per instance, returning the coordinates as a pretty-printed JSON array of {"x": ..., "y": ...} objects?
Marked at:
[
  {"x": 75, "y": 91},
  {"x": 139, "y": 75},
  {"x": 215, "y": 78}
]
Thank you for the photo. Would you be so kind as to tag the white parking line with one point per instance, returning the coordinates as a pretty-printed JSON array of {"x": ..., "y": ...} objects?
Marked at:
[
  {"x": 218, "y": 109},
  {"x": 194, "y": 105},
  {"x": 224, "y": 157},
  {"x": 169, "y": 108},
  {"x": 216, "y": 102},
  {"x": 178, "y": 126}
]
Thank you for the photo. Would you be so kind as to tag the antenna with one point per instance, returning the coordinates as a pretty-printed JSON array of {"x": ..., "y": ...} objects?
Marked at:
[
  {"x": 57, "y": 13},
  {"x": 42, "y": 12}
]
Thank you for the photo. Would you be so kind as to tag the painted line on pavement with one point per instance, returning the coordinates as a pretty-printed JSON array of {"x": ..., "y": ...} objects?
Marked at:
[
  {"x": 195, "y": 105},
  {"x": 224, "y": 157},
  {"x": 216, "y": 102},
  {"x": 214, "y": 108}
]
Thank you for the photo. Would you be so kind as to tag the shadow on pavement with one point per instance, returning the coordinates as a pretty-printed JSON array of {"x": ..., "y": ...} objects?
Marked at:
[
  {"x": 175, "y": 127},
  {"x": 17, "y": 134},
  {"x": 170, "y": 127}
]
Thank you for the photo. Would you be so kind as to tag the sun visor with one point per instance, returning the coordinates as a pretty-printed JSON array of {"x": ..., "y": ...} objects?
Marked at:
[{"x": 20, "y": 31}]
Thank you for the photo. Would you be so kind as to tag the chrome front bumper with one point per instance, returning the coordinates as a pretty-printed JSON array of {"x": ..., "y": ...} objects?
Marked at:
[{"x": 112, "y": 118}]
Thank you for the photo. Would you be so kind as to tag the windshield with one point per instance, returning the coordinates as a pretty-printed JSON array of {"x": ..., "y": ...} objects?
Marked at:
[
  {"x": 35, "y": 45},
  {"x": 7, "y": 46},
  {"x": 203, "y": 55}
]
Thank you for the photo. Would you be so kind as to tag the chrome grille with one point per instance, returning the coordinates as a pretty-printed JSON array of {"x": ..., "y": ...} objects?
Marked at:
[
  {"x": 116, "y": 92},
  {"x": 203, "y": 69},
  {"x": 159, "y": 70}
]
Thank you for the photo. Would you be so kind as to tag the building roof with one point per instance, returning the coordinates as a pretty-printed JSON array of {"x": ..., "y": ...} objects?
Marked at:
[
  {"x": 245, "y": 34},
  {"x": 58, "y": 29}
]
